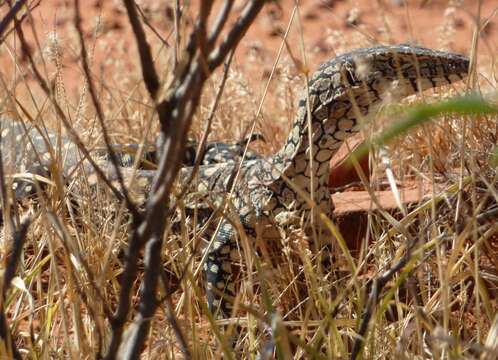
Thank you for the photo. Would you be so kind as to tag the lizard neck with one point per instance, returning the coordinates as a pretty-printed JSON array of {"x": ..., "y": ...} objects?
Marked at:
[
  {"x": 344, "y": 91},
  {"x": 302, "y": 159}
]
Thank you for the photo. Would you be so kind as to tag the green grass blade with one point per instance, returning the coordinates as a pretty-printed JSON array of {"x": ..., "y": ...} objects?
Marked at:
[{"x": 466, "y": 105}]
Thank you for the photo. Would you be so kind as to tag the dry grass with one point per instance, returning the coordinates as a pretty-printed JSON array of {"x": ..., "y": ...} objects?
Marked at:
[{"x": 443, "y": 305}]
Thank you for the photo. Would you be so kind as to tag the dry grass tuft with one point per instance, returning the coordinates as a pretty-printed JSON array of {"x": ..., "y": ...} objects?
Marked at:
[{"x": 68, "y": 280}]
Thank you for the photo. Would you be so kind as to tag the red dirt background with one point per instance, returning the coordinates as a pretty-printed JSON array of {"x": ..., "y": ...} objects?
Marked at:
[{"x": 329, "y": 27}]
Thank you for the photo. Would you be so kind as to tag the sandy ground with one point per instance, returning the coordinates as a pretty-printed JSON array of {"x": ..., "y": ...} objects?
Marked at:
[
  {"x": 323, "y": 28},
  {"x": 328, "y": 28}
]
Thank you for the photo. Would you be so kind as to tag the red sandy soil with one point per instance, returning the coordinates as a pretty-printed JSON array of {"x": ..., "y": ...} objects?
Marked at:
[{"x": 329, "y": 27}]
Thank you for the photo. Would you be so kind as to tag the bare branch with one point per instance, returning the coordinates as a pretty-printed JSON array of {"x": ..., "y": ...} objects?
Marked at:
[
  {"x": 151, "y": 280},
  {"x": 220, "y": 22},
  {"x": 175, "y": 115},
  {"x": 100, "y": 114},
  {"x": 373, "y": 299},
  {"x": 147, "y": 63},
  {"x": 148, "y": 300},
  {"x": 170, "y": 314},
  {"x": 11, "y": 15},
  {"x": 177, "y": 14},
  {"x": 12, "y": 261},
  {"x": 72, "y": 133},
  {"x": 238, "y": 30},
  {"x": 10, "y": 269},
  {"x": 201, "y": 32},
  {"x": 196, "y": 41},
  {"x": 20, "y": 20},
  {"x": 153, "y": 29},
  {"x": 202, "y": 144},
  {"x": 15, "y": 253}
]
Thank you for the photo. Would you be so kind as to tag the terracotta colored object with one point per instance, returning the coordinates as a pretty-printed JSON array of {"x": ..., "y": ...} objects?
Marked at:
[
  {"x": 352, "y": 209},
  {"x": 343, "y": 172}
]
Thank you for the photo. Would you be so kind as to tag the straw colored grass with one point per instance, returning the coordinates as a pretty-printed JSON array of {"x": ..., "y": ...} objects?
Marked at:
[{"x": 442, "y": 305}]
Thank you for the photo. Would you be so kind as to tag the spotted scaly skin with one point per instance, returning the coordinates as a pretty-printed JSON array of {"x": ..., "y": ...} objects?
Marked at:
[
  {"x": 341, "y": 92},
  {"x": 217, "y": 152},
  {"x": 31, "y": 151}
]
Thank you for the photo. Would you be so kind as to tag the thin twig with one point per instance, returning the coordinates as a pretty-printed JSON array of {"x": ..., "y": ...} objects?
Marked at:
[
  {"x": 146, "y": 21},
  {"x": 220, "y": 22},
  {"x": 238, "y": 30},
  {"x": 15, "y": 253},
  {"x": 12, "y": 261},
  {"x": 177, "y": 13},
  {"x": 373, "y": 299},
  {"x": 147, "y": 63},
  {"x": 175, "y": 115},
  {"x": 100, "y": 113},
  {"x": 11, "y": 15},
  {"x": 202, "y": 144},
  {"x": 72, "y": 133}
]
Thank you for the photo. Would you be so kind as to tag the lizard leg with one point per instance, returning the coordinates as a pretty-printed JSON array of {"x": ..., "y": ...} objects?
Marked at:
[{"x": 218, "y": 270}]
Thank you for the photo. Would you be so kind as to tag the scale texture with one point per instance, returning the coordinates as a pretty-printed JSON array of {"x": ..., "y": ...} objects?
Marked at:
[
  {"x": 281, "y": 190},
  {"x": 276, "y": 191}
]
